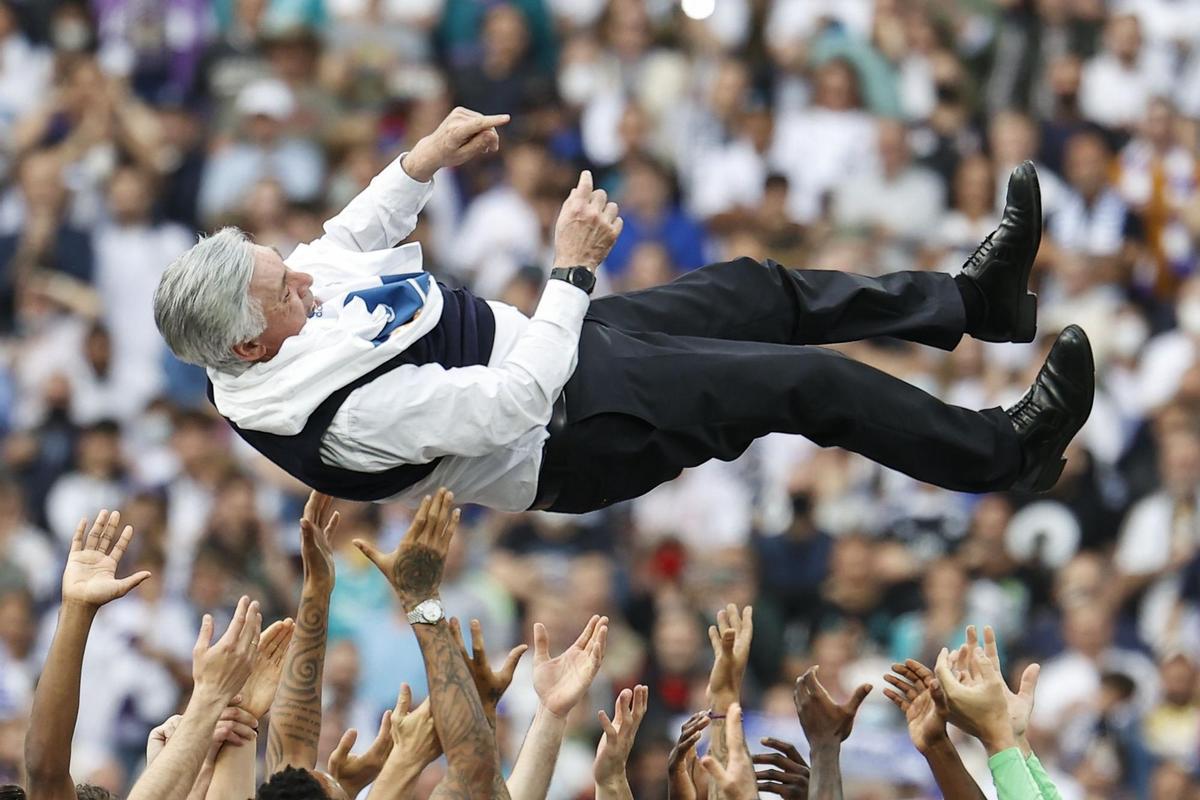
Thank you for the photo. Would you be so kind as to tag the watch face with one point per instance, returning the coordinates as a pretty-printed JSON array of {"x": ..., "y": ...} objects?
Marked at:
[{"x": 430, "y": 612}]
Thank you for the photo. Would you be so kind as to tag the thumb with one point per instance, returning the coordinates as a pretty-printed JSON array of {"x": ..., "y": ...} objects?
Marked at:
[
  {"x": 1029, "y": 679},
  {"x": 860, "y": 694},
  {"x": 204, "y": 639},
  {"x": 714, "y": 768},
  {"x": 127, "y": 585},
  {"x": 373, "y": 555}
]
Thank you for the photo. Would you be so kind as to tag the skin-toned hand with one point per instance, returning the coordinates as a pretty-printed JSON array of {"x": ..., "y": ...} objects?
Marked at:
[
  {"x": 730, "y": 639},
  {"x": 415, "y": 568},
  {"x": 90, "y": 576},
  {"x": 789, "y": 775},
  {"x": 159, "y": 736},
  {"x": 317, "y": 528},
  {"x": 682, "y": 759},
  {"x": 587, "y": 226},
  {"x": 615, "y": 745},
  {"x": 490, "y": 685},
  {"x": 562, "y": 681},
  {"x": 926, "y": 720},
  {"x": 824, "y": 721},
  {"x": 413, "y": 733},
  {"x": 353, "y": 772},
  {"x": 1020, "y": 704},
  {"x": 220, "y": 670},
  {"x": 259, "y": 691},
  {"x": 978, "y": 698},
  {"x": 736, "y": 780},
  {"x": 462, "y": 136}
]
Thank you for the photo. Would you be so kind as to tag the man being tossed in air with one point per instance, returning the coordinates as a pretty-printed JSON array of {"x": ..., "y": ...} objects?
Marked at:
[{"x": 363, "y": 377}]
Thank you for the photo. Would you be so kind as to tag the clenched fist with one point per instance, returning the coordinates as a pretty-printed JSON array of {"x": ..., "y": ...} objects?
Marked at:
[
  {"x": 463, "y": 135},
  {"x": 587, "y": 226}
]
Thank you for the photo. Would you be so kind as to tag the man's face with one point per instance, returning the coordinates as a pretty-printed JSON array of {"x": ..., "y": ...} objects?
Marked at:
[{"x": 286, "y": 300}]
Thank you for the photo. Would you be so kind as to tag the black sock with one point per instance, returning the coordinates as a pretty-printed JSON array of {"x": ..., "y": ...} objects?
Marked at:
[{"x": 974, "y": 303}]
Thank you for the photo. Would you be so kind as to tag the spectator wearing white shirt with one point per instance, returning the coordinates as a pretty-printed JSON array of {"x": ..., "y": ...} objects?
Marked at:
[
  {"x": 898, "y": 203},
  {"x": 973, "y": 216},
  {"x": 731, "y": 177},
  {"x": 1119, "y": 82},
  {"x": 820, "y": 147},
  {"x": 1169, "y": 355},
  {"x": 25, "y": 71},
  {"x": 94, "y": 482}
]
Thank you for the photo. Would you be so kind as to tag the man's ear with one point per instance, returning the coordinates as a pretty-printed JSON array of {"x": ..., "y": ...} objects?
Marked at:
[{"x": 249, "y": 351}]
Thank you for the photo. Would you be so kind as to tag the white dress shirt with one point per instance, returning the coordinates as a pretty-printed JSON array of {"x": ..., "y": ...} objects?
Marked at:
[{"x": 486, "y": 422}]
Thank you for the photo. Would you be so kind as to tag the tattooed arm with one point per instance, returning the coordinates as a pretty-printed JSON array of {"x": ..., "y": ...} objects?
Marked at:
[
  {"x": 415, "y": 572},
  {"x": 296, "y": 710},
  {"x": 730, "y": 639}
]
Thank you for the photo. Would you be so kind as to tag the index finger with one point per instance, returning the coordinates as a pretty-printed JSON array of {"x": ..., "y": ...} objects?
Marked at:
[
  {"x": 477, "y": 124},
  {"x": 585, "y": 182}
]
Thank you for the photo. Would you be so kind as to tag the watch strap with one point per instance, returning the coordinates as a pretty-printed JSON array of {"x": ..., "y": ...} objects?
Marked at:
[{"x": 579, "y": 277}]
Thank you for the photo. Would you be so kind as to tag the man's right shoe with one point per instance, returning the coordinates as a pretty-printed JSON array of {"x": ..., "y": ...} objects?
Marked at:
[
  {"x": 1054, "y": 409},
  {"x": 1000, "y": 266}
]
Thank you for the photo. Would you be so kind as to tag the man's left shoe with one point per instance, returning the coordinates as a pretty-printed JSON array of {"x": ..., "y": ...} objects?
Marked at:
[
  {"x": 1054, "y": 409},
  {"x": 1000, "y": 266}
]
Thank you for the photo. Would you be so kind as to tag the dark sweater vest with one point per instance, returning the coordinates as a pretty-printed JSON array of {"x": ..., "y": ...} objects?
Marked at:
[{"x": 463, "y": 338}]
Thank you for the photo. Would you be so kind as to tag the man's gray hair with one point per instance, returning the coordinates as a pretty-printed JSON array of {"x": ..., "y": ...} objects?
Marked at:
[{"x": 203, "y": 305}]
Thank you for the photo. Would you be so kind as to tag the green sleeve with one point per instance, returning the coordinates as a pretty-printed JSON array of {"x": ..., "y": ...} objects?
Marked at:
[
  {"x": 1012, "y": 777},
  {"x": 1049, "y": 790}
]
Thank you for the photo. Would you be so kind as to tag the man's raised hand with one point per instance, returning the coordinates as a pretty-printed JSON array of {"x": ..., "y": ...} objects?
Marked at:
[
  {"x": 354, "y": 772},
  {"x": 90, "y": 576},
  {"x": 562, "y": 681},
  {"x": 415, "y": 568},
  {"x": 789, "y": 775},
  {"x": 317, "y": 528},
  {"x": 913, "y": 695},
  {"x": 975, "y": 693},
  {"x": 413, "y": 734},
  {"x": 587, "y": 226},
  {"x": 615, "y": 745},
  {"x": 463, "y": 135},
  {"x": 682, "y": 759},
  {"x": 259, "y": 690},
  {"x": 730, "y": 639},
  {"x": 490, "y": 685},
  {"x": 824, "y": 721},
  {"x": 220, "y": 670}
]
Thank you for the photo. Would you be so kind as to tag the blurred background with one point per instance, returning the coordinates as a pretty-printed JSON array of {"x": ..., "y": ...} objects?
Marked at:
[{"x": 841, "y": 134}]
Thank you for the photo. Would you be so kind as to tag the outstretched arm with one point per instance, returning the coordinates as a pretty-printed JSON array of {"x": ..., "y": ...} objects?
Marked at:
[
  {"x": 220, "y": 670},
  {"x": 415, "y": 572},
  {"x": 296, "y": 709},
  {"x": 612, "y": 782},
  {"x": 826, "y": 725},
  {"x": 414, "y": 747},
  {"x": 560, "y": 682},
  {"x": 89, "y": 581},
  {"x": 384, "y": 213}
]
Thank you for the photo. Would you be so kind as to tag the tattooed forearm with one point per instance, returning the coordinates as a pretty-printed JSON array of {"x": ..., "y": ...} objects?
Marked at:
[
  {"x": 718, "y": 749},
  {"x": 295, "y": 728},
  {"x": 462, "y": 727}
]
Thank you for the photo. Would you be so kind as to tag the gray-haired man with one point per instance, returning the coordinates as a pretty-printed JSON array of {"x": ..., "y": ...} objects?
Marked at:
[{"x": 366, "y": 379}]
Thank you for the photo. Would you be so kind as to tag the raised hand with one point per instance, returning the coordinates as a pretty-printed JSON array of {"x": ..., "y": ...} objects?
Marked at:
[
  {"x": 736, "y": 780},
  {"x": 587, "y": 226},
  {"x": 975, "y": 693},
  {"x": 490, "y": 685},
  {"x": 823, "y": 720},
  {"x": 415, "y": 568},
  {"x": 730, "y": 639},
  {"x": 90, "y": 576},
  {"x": 413, "y": 734},
  {"x": 613, "y": 750},
  {"x": 789, "y": 776},
  {"x": 1020, "y": 703},
  {"x": 461, "y": 136},
  {"x": 562, "y": 681},
  {"x": 220, "y": 670},
  {"x": 259, "y": 691},
  {"x": 353, "y": 772},
  {"x": 913, "y": 695},
  {"x": 317, "y": 528},
  {"x": 682, "y": 760}
]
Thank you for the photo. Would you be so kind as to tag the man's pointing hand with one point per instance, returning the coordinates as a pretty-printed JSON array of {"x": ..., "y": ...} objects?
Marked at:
[{"x": 463, "y": 135}]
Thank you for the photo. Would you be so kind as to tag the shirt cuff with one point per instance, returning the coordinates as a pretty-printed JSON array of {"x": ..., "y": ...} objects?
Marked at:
[
  {"x": 1005, "y": 757},
  {"x": 398, "y": 189},
  {"x": 562, "y": 304}
]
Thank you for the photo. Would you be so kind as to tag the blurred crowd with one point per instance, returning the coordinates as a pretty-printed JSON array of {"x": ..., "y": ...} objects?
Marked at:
[{"x": 866, "y": 135}]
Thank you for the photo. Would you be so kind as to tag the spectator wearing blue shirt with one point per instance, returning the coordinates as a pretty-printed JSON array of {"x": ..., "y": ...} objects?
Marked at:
[{"x": 652, "y": 214}]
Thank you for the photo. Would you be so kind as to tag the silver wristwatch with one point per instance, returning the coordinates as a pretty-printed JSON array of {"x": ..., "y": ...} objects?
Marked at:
[{"x": 427, "y": 612}]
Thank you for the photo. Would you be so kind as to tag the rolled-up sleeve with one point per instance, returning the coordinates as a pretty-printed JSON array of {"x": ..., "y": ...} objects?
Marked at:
[
  {"x": 414, "y": 414},
  {"x": 381, "y": 215}
]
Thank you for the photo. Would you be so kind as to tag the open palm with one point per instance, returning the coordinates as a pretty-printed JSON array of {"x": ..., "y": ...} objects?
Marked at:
[
  {"x": 90, "y": 576},
  {"x": 561, "y": 682}
]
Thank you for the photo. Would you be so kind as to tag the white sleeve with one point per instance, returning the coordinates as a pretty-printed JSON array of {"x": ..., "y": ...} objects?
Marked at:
[
  {"x": 414, "y": 414},
  {"x": 381, "y": 215}
]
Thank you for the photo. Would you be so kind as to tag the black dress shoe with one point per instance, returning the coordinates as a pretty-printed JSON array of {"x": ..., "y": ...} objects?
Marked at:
[
  {"x": 1054, "y": 409},
  {"x": 1000, "y": 266}
]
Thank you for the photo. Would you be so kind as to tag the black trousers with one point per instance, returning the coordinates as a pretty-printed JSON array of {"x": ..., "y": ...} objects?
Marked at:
[{"x": 673, "y": 376}]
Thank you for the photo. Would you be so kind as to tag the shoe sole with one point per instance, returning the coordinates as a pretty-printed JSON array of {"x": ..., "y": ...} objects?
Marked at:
[{"x": 1026, "y": 327}]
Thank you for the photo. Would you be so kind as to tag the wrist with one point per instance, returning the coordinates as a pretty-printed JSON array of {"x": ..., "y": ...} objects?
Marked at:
[
  {"x": 938, "y": 744},
  {"x": 79, "y": 607},
  {"x": 1023, "y": 743},
  {"x": 417, "y": 165},
  {"x": 206, "y": 697},
  {"x": 824, "y": 748},
  {"x": 997, "y": 739},
  {"x": 610, "y": 781},
  {"x": 719, "y": 703},
  {"x": 549, "y": 717}
]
